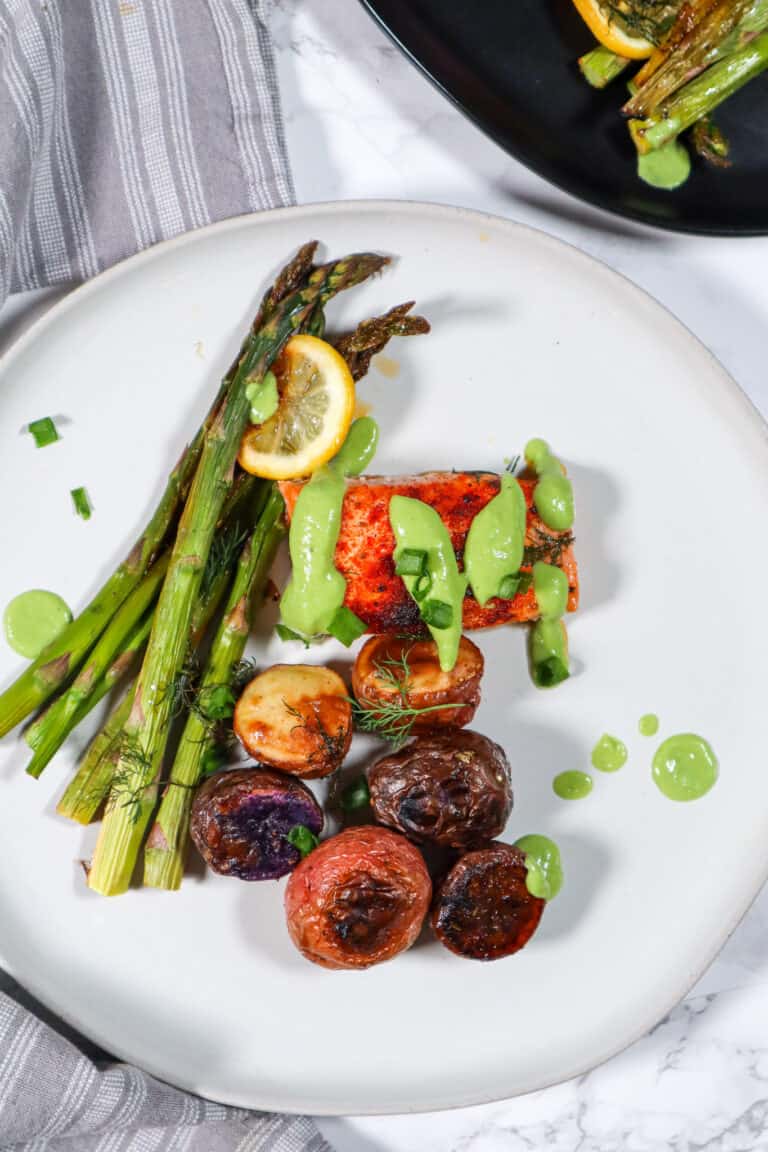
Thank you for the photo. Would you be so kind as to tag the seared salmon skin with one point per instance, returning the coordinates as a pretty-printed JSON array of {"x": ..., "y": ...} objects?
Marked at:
[{"x": 366, "y": 543}]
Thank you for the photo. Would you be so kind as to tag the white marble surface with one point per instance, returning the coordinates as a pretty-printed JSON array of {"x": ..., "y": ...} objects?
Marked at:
[{"x": 362, "y": 123}]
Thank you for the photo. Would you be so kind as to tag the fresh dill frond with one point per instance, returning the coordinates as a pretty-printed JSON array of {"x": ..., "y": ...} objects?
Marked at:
[
  {"x": 392, "y": 720},
  {"x": 243, "y": 672},
  {"x": 512, "y": 464},
  {"x": 333, "y": 743},
  {"x": 547, "y": 547},
  {"x": 225, "y": 549}
]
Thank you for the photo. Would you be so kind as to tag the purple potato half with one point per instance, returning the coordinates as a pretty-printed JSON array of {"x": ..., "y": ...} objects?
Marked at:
[{"x": 241, "y": 820}]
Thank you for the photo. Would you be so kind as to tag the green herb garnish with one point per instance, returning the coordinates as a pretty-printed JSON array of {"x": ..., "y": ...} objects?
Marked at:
[
  {"x": 437, "y": 614},
  {"x": 550, "y": 672},
  {"x": 286, "y": 633},
  {"x": 411, "y": 562},
  {"x": 356, "y": 795},
  {"x": 303, "y": 839},
  {"x": 346, "y": 627},
  {"x": 81, "y": 502},
  {"x": 44, "y": 432}
]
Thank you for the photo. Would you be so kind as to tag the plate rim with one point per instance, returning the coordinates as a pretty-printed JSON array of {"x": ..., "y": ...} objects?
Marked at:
[
  {"x": 389, "y": 15},
  {"x": 46, "y": 992}
]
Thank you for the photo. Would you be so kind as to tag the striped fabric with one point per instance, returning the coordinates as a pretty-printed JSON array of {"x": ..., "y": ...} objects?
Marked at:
[
  {"x": 124, "y": 122},
  {"x": 54, "y": 1098}
]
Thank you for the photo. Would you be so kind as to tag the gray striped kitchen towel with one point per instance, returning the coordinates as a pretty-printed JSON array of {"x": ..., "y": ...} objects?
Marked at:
[
  {"x": 124, "y": 122},
  {"x": 59, "y": 1095}
]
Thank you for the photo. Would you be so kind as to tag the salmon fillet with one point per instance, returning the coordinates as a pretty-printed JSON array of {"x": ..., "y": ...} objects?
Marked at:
[{"x": 366, "y": 543}]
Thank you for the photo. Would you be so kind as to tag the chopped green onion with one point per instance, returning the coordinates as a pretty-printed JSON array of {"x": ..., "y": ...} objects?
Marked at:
[
  {"x": 81, "y": 502},
  {"x": 346, "y": 627},
  {"x": 508, "y": 587},
  {"x": 286, "y": 633},
  {"x": 302, "y": 838},
  {"x": 411, "y": 562},
  {"x": 217, "y": 702},
  {"x": 213, "y": 759},
  {"x": 44, "y": 432},
  {"x": 550, "y": 672},
  {"x": 437, "y": 614},
  {"x": 422, "y": 586},
  {"x": 356, "y": 795},
  {"x": 526, "y": 579}
]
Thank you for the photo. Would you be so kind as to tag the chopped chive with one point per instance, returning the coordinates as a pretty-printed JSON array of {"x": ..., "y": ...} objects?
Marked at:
[
  {"x": 550, "y": 672},
  {"x": 422, "y": 586},
  {"x": 217, "y": 702},
  {"x": 346, "y": 627},
  {"x": 81, "y": 502},
  {"x": 303, "y": 839},
  {"x": 44, "y": 432},
  {"x": 411, "y": 562},
  {"x": 286, "y": 633},
  {"x": 509, "y": 586},
  {"x": 526, "y": 579},
  {"x": 437, "y": 614},
  {"x": 356, "y": 795}
]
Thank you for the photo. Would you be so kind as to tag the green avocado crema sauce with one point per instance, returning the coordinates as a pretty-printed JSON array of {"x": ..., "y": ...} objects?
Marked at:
[
  {"x": 543, "y": 864},
  {"x": 667, "y": 167},
  {"x": 609, "y": 754},
  {"x": 551, "y": 587},
  {"x": 572, "y": 785},
  {"x": 418, "y": 527},
  {"x": 315, "y": 591},
  {"x": 33, "y": 619},
  {"x": 263, "y": 398},
  {"x": 359, "y": 448},
  {"x": 553, "y": 494},
  {"x": 648, "y": 725},
  {"x": 685, "y": 767},
  {"x": 495, "y": 541}
]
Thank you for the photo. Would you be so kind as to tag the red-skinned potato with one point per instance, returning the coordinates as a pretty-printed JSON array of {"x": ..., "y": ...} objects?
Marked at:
[
  {"x": 483, "y": 909},
  {"x": 360, "y": 898},
  {"x": 450, "y": 787},
  {"x": 405, "y": 671},
  {"x": 296, "y": 717}
]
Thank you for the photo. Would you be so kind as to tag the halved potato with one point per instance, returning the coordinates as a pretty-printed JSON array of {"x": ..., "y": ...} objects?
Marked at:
[
  {"x": 400, "y": 671},
  {"x": 296, "y": 717}
]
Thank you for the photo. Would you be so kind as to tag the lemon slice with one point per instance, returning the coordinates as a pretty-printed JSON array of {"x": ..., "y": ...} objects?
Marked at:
[
  {"x": 316, "y": 403},
  {"x": 605, "y": 28}
]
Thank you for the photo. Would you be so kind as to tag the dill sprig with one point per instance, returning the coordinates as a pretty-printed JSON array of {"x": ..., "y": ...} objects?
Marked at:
[
  {"x": 394, "y": 719},
  {"x": 546, "y": 547},
  {"x": 225, "y": 549},
  {"x": 332, "y": 743}
]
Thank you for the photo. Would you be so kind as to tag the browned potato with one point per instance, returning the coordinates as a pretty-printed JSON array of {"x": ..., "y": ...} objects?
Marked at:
[
  {"x": 405, "y": 672},
  {"x": 296, "y": 717},
  {"x": 450, "y": 787},
  {"x": 483, "y": 909}
]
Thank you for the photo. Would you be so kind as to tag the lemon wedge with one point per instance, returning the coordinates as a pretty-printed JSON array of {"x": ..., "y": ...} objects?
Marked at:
[
  {"x": 606, "y": 29},
  {"x": 316, "y": 404}
]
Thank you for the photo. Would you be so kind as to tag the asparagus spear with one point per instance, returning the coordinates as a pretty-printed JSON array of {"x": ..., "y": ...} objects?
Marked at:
[
  {"x": 710, "y": 143},
  {"x": 701, "y": 96},
  {"x": 166, "y": 845},
  {"x": 63, "y": 656},
  {"x": 706, "y": 43},
  {"x": 600, "y": 66},
  {"x": 146, "y": 729},
  {"x": 93, "y": 779},
  {"x": 369, "y": 338}
]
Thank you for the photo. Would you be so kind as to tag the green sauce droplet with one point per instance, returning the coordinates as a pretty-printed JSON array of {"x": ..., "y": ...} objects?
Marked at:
[
  {"x": 33, "y": 619},
  {"x": 359, "y": 448},
  {"x": 551, "y": 587},
  {"x": 572, "y": 785},
  {"x": 315, "y": 591},
  {"x": 685, "y": 767},
  {"x": 609, "y": 754},
  {"x": 263, "y": 398},
  {"x": 553, "y": 495},
  {"x": 496, "y": 540},
  {"x": 545, "y": 869},
  {"x": 648, "y": 725},
  {"x": 666, "y": 167}
]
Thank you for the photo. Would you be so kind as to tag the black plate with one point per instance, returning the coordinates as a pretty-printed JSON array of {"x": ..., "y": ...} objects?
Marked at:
[{"x": 510, "y": 65}]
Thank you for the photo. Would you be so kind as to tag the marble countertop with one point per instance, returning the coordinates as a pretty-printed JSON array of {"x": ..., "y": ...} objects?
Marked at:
[{"x": 361, "y": 122}]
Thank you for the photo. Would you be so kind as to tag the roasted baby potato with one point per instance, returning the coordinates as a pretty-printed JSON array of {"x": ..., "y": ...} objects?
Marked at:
[
  {"x": 241, "y": 821},
  {"x": 296, "y": 717},
  {"x": 402, "y": 672},
  {"x": 450, "y": 787},
  {"x": 358, "y": 899},
  {"x": 483, "y": 909}
]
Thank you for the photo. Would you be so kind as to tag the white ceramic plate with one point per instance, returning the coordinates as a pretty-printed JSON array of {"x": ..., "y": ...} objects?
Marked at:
[{"x": 531, "y": 337}]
